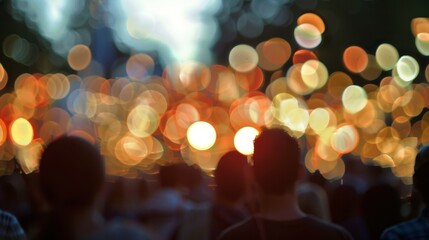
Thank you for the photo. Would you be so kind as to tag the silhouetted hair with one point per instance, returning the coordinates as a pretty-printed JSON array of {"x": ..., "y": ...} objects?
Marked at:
[
  {"x": 421, "y": 173},
  {"x": 381, "y": 206},
  {"x": 173, "y": 175},
  {"x": 71, "y": 172},
  {"x": 230, "y": 175},
  {"x": 276, "y": 161}
]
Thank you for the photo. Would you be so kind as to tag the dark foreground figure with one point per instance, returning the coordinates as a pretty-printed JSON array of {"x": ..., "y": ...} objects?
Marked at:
[
  {"x": 276, "y": 170},
  {"x": 417, "y": 228},
  {"x": 71, "y": 179}
]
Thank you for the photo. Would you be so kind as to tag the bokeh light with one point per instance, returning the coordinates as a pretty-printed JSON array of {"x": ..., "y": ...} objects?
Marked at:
[
  {"x": 422, "y": 43},
  {"x": 3, "y": 132},
  {"x": 185, "y": 32},
  {"x": 251, "y": 80},
  {"x": 337, "y": 83},
  {"x": 139, "y": 66},
  {"x": 21, "y": 132},
  {"x": 355, "y": 59},
  {"x": 243, "y": 140},
  {"x": 273, "y": 53},
  {"x": 29, "y": 155},
  {"x": 337, "y": 171},
  {"x": 142, "y": 121},
  {"x": 354, "y": 98},
  {"x": 386, "y": 56},
  {"x": 307, "y": 35},
  {"x": 3, "y": 77},
  {"x": 372, "y": 70},
  {"x": 243, "y": 58},
  {"x": 57, "y": 86},
  {"x": 407, "y": 68},
  {"x": 295, "y": 82},
  {"x": 314, "y": 74},
  {"x": 79, "y": 57},
  {"x": 319, "y": 119},
  {"x": 302, "y": 55},
  {"x": 150, "y": 92},
  {"x": 249, "y": 24},
  {"x": 201, "y": 135},
  {"x": 345, "y": 139},
  {"x": 312, "y": 19},
  {"x": 131, "y": 150},
  {"x": 291, "y": 112},
  {"x": 419, "y": 25},
  {"x": 427, "y": 73}
]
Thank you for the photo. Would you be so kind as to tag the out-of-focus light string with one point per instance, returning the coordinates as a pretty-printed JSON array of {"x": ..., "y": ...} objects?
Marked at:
[{"x": 200, "y": 111}]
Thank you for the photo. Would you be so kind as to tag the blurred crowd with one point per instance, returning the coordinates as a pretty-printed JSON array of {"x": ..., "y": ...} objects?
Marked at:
[{"x": 73, "y": 199}]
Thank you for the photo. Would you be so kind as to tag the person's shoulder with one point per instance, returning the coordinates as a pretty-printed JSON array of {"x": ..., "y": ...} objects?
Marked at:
[
  {"x": 10, "y": 227},
  {"x": 328, "y": 228},
  {"x": 6, "y": 217},
  {"x": 119, "y": 230},
  {"x": 414, "y": 227},
  {"x": 398, "y": 230},
  {"x": 239, "y": 230}
]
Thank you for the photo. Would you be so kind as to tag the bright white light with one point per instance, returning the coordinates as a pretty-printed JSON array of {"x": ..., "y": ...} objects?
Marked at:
[
  {"x": 52, "y": 19},
  {"x": 177, "y": 30},
  {"x": 243, "y": 140},
  {"x": 186, "y": 28},
  {"x": 201, "y": 135}
]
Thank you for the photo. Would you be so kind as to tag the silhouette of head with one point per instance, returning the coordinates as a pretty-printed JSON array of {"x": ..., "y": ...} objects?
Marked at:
[
  {"x": 173, "y": 175},
  {"x": 71, "y": 172},
  {"x": 276, "y": 161},
  {"x": 231, "y": 175},
  {"x": 421, "y": 173}
]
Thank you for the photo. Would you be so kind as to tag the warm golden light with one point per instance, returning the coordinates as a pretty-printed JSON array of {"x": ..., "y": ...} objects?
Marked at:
[
  {"x": 422, "y": 43},
  {"x": 355, "y": 59},
  {"x": 319, "y": 119},
  {"x": 79, "y": 57},
  {"x": 3, "y": 132},
  {"x": 142, "y": 121},
  {"x": 407, "y": 68},
  {"x": 354, "y": 99},
  {"x": 3, "y": 77},
  {"x": 345, "y": 139},
  {"x": 307, "y": 35},
  {"x": 386, "y": 56},
  {"x": 303, "y": 55},
  {"x": 243, "y": 140},
  {"x": 57, "y": 86},
  {"x": 313, "y": 19},
  {"x": 273, "y": 53},
  {"x": 21, "y": 132},
  {"x": 201, "y": 135},
  {"x": 28, "y": 156},
  {"x": 144, "y": 113},
  {"x": 314, "y": 74},
  {"x": 243, "y": 58}
]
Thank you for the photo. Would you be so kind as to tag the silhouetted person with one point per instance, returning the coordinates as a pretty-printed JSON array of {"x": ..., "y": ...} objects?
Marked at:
[
  {"x": 10, "y": 229},
  {"x": 124, "y": 197},
  {"x": 346, "y": 211},
  {"x": 313, "y": 200},
  {"x": 232, "y": 182},
  {"x": 277, "y": 169},
  {"x": 162, "y": 211},
  {"x": 71, "y": 178},
  {"x": 229, "y": 204},
  {"x": 417, "y": 228},
  {"x": 381, "y": 206}
]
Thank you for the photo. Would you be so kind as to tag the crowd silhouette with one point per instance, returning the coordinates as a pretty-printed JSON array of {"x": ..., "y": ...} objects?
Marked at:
[{"x": 269, "y": 195}]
